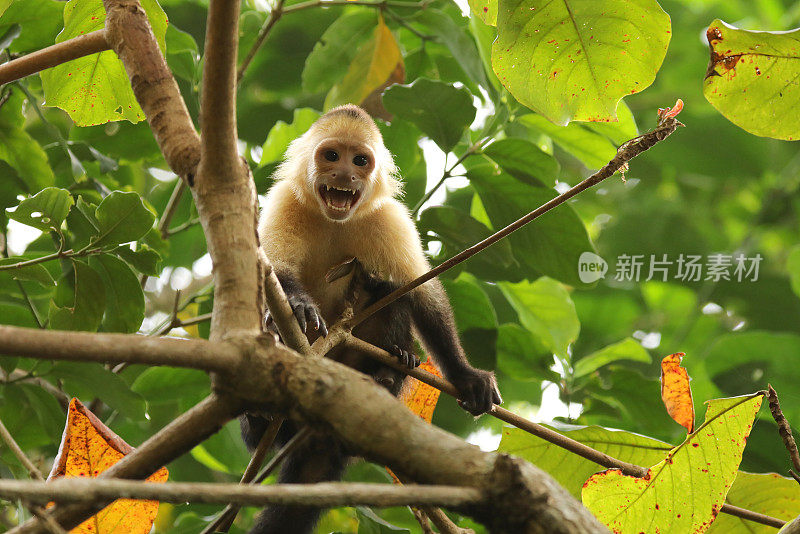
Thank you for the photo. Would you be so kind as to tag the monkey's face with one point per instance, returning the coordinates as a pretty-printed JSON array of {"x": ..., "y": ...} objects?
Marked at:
[{"x": 342, "y": 176}]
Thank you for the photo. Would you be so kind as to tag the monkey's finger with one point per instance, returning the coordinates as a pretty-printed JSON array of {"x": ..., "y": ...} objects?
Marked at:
[
  {"x": 496, "y": 397},
  {"x": 323, "y": 328},
  {"x": 312, "y": 317},
  {"x": 300, "y": 315}
]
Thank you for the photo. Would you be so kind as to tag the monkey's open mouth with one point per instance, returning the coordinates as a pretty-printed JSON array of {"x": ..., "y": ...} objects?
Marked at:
[{"x": 338, "y": 199}]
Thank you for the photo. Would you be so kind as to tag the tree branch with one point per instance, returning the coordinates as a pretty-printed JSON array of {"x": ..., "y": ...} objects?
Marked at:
[
  {"x": 274, "y": 15},
  {"x": 83, "y": 45},
  {"x": 130, "y": 36},
  {"x": 116, "y": 348},
  {"x": 626, "y": 152},
  {"x": 19, "y": 453},
  {"x": 172, "y": 441},
  {"x": 329, "y": 494}
]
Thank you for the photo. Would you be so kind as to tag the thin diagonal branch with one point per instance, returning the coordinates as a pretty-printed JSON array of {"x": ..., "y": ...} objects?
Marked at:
[
  {"x": 626, "y": 152},
  {"x": 19, "y": 453},
  {"x": 83, "y": 45},
  {"x": 274, "y": 15},
  {"x": 784, "y": 429}
]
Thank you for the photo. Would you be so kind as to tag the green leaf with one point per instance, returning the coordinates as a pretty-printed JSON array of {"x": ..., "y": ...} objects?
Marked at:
[
  {"x": 3, "y": 6},
  {"x": 336, "y": 49},
  {"x": 456, "y": 39},
  {"x": 95, "y": 89},
  {"x": 144, "y": 259},
  {"x": 122, "y": 217},
  {"x": 766, "y": 493},
  {"x": 182, "y": 53},
  {"x": 593, "y": 149},
  {"x": 40, "y": 21},
  {"x": 20, "y": 150},
  {"x": 544, "y": 308},
  {"x": 471, "y": 306},
  {"x": 486, "y": 10},
  {"x": 31, "y": 273},
  {"x": 752, "y": 78},
  {"x": 524, "y": 160},
  {"x": 793, "y": 266},
  {"x": 93, "y": 380},
  {"x": 575, "y": 60},
  {"x": 571, "y": 470},
  {"x": 282, "y": 134},
  {"x": 45, "y": 210},
  {"x": 80, "y": 300},
  {"x": 124, "y": 295},
  {"x": 13, "y": 31},
  {"x": 686, "y": 490},
  {"x": 619, "y": 132},
  {"x": 370, "y": 523},
  {"x": 160, "y": 385},
  {"x": 438, "y": 109},
  {"x": 550, "y": 245},
  {"x": 46, "y": 409},
  {"x": 627, "y": 349},
  {"x": 458, "y": 230},
  {"x": 521, "y": 355}
]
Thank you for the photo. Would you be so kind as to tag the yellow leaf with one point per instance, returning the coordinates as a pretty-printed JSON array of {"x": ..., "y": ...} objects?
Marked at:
[
  {"x": 88, "y": 447},
  {"x": 676, "y": 392},
  {"x": 420, "y": 397},
  {"x": 372, "y": 66}
]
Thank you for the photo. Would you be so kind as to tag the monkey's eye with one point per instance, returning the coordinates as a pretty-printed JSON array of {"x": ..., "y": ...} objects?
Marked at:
[
  {"x": 331, "y": 155},
  {"x": 360, "y": 160}
]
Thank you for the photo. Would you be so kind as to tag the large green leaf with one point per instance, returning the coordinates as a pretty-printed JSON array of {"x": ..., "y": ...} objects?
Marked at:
[
  {"x": 486, "y": 10},
  {"x": 124, "y": 295},
  {"x": 438, "y": 109},
  {"x": 4, "y": 5},
  {"x": 122, "y": 217},
  {"x": 337, "y": 48},
  {"x": 627, "y": 349},
  {"x": 571, "y": 470},
  {"x": 143, "y": 259},
  {"x": 685, "y": 491},
  {"x": 766, "y": 493},
  {"x": 793, "y": 266},
  {"x": 550, "y": 245},
  {"x": 20, "y": 150},
  {"x": 752, "y": 79},
  {"x": 40, "y": 21},
  {"x": 166, "y": 384},
  {"x": 92, "y": 380},
  {"x": 80, "y": 301},
  {"x": 45, "y": 210},
  {"x": 521, "y": 355},
  {"x": 95, "y": 89},
  {"x": 524, "y": 160},
  {"x": 31, "y": 273},
  {"x": 575, "y": 59},
  {"x": 544, "y": 308},
  {"x": 282, "y": 134}
]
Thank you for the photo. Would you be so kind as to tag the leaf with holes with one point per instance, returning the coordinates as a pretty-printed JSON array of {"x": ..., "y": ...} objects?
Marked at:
[
  {"x": 95, "y": 89},
  {"x": 45, "y": 210},
  {"x": 752, "y": 79},
  {"x": 575, "y": 60},
  {"x": 80, "y": 300},
  {"x": 685, "y": 491},
  {"x": 440, "y": 110}
]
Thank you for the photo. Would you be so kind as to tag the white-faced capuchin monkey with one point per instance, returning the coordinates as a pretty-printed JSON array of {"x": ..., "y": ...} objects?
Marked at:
[{"x": 333, "y": 200}]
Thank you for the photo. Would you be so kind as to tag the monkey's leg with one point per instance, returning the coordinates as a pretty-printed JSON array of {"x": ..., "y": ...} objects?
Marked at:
[{"x": 320, "y": 459}]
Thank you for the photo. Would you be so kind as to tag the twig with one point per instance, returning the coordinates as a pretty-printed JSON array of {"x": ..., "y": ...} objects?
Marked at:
[
  {"x": 74, "y": 48},
  {"x": 538, "y": 430},
  {"x": 274, "y": 15},
  {"x": 785, "y": 431},
  {"x": 47, "y": 519},
  {"x": 85, "y": 490},
  {"x": 181, "y": 227},
  {"x": 19, "y": 453},
  {"x": 422, "y": 519},
  {"x": 626, "y": 152},
  {"x": 170, "y": 208},
  {"x": 116, "y": 348},
  {"x": 228, "y": 515},
  {"x": 49, "y": 257},
  {"x": 444, "y": 523}
]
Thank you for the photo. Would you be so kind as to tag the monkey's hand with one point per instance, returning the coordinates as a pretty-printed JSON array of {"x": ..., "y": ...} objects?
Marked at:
[
  {"x": 307, "y": 314},
  {"x": 477, "y": 390},
  {"x": 406, "y": 358}
]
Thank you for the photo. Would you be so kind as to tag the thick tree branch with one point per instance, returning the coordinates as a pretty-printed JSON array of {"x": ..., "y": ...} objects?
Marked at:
[
  {"x": 172, "y": 441},
  {"x": 116, "y": 348},
  {"x": 130, "y": 36},
  {"x": 83, "y": 45},
  {"x": 86, "y": 490}
]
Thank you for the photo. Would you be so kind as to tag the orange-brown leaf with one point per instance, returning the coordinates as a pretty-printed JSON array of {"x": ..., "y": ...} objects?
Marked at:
[
  {"x": 88, "y": 447},
  {"x": 420, "y": 397},
  {"x": 676, "y": 392}
]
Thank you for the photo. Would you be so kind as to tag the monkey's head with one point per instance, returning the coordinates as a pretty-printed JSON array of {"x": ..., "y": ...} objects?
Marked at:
[{"x": 341, "y": 165}]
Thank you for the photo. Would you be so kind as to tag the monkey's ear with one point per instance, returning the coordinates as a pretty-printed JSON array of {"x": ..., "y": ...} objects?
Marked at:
[{"x": 342, "y": 269}]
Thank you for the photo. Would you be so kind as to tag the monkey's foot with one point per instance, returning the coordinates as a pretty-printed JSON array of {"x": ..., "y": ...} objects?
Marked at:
[
  {"x": 308, "y": 314},
  {"x": 406, "y": 358}
]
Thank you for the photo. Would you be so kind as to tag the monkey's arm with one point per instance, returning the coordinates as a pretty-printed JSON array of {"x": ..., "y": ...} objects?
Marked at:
[{"x": 434, "y": 322}]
